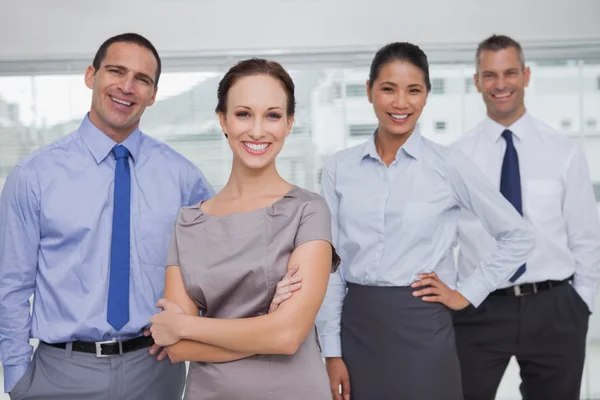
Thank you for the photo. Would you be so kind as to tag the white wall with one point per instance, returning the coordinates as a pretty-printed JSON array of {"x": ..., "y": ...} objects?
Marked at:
[{"x": 64, "y": 28}]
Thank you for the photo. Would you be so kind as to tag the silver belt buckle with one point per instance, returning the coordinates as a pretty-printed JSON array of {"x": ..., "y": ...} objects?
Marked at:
[
  {"x": 519, "y": 292},
  {"x": 99, "y": 348}
]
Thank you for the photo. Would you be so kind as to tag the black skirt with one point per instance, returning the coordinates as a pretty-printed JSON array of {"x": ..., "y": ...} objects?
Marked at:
[{"x": 397, "y": 346}]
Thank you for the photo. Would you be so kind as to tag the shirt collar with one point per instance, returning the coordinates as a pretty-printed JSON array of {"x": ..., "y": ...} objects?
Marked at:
[
  {"x": 518, "y": 128},
  {"x": 412, "y": 146},
  {"x": 100, "y": 145}
]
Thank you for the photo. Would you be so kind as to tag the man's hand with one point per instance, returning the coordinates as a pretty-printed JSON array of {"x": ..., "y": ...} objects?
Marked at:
[
  {"x": 285, "y": 287},
  {"x": 438, "y": 292},
  {"x": 159, "y": 326},
  {"x": 338, "y": 375}
]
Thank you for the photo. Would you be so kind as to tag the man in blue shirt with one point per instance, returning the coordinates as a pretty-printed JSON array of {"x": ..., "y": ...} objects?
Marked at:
[{"x": 84, "y": 227}]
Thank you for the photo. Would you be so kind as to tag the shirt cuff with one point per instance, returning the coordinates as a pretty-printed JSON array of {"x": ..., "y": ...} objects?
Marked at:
[
  {"x": 474, "y": 291},
  {"x": 12, "y": 375},
  {"x": 587, "y": 294},
  {"x": 331, "y": 346}
]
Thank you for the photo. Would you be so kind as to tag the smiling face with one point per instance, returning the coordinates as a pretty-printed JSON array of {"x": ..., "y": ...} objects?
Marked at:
[
  {"x": 501, "y": 79},
  {"x": 398, "y": 95},
  {"x": 122, "y": 88},
  {"x": 256, "y": 121}
]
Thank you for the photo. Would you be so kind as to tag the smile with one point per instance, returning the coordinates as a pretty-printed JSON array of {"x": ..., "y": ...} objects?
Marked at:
[
  {"x": 122, "y": 102},
  {"x": 502, "y": 96},
  {"x": 256, "y": 148},
  {"x": 399, "y": 118}
]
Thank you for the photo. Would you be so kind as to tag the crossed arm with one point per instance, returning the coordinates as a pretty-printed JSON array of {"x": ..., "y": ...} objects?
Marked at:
[{"x": 190, "y": 337}]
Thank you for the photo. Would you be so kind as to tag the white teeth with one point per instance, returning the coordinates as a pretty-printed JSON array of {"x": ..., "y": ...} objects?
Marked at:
[
  {"x": 256, "y": 147},
  {"x": 501, "y": 95},
  {"x": 125, "y": 103},
  {"x": 399, "y": 116}
]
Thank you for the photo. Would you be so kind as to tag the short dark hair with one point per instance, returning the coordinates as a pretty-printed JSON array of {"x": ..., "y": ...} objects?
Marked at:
[
  {"x": 400, "y": 51},
  {"x": 127, "y": 38},
  {"x": 499, "y": 42},
  {"x": 255, "y": 66}
]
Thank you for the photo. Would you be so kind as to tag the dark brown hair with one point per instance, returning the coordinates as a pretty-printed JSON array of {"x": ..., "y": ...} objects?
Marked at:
[
  {"x": 255, "y": 66},
  {"x": 499, "y": 42},
  {"x": 127, "y": 38}
]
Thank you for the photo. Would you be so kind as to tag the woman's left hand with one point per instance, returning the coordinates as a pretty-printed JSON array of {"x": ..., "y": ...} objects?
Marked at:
[
  {"x": 438, "y": 292},
  {"x": 166, "y": 325}
]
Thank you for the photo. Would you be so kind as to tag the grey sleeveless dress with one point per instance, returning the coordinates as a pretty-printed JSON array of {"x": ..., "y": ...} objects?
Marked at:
[{"x": 231, "y": 265}]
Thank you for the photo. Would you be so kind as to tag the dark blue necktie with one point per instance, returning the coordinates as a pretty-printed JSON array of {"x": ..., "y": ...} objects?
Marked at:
[
  {"x": 118, "y": 287},
  {"x": 510, "y": 183}
]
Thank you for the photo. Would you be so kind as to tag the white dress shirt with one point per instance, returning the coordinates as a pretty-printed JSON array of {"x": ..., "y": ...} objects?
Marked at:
[
  {"x": 558, "y": 200},
  {"x": 390, "y": 224}
]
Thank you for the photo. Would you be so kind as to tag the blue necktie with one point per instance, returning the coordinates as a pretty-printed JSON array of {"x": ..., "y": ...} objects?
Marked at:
[
  {"x": 118, "y": 287},
  {"x": 510, "y": 183}
]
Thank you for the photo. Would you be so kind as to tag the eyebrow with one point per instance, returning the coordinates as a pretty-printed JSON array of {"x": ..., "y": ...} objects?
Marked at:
[
  {"x": 268, "y": 109},
  {"x": 138, "y": 74},
  {"x": 395, "y": 85},
  {"x": 486, "y": 71}
]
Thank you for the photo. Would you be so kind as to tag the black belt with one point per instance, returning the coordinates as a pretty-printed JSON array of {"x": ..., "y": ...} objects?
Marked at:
[
  {"x": 528, "y": 288},
  {"x": 108, "y": 348}
]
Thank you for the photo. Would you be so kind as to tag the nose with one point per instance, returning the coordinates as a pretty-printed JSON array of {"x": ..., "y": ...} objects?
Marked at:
[
  {"x": 126, "y": 84},
  {"x": 500, "y": 84},
  {"x": 257, "y": 132},
  {"x": 400, "y": 100}
]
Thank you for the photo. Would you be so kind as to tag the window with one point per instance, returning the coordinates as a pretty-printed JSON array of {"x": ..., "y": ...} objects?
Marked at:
[
  {"x": 336, "y": 91},
  {"x": 37, "y": 109},
  {"x": 362, "y": 129},
  {"x": 353, "y": 90},
  {"x": 591, "y": 124},
  {"x": 440, "y": 126},
  {"x": 566, "y": 123},
  {"x": 596, "y": 186},
  {"x": 469, "y": 85},
  {"x": 438, "y": 86}
]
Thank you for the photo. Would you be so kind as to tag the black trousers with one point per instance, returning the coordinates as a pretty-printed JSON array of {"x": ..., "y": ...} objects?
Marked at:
[{"x": 546, "y": 332}]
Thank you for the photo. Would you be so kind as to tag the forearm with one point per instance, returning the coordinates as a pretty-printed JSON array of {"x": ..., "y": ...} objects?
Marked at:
[
  {"x": 587, "y": 275},
  {"x": 330, "y": 315},
  {"x": 188, "y": 350},
  {"x": 259, "y": 335},
  {"x": 15, "y": 350},
  {"x": 15, "y": 322}
]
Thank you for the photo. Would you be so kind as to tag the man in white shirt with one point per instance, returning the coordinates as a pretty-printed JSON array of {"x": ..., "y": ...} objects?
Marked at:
[{"x": 541, "y": 314}]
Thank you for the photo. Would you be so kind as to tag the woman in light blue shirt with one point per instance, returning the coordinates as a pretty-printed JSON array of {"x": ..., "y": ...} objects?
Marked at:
[{"x": 386, "y": 324}]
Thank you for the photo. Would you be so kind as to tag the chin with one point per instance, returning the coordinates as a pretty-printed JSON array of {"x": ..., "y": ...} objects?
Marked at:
[
  {"x": 255, "y": 164},
  {"x": 401, "y": 132}
]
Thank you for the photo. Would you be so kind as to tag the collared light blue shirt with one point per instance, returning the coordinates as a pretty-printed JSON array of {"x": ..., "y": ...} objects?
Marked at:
[
  {"x": 391, "y": 224},
  {"x": 55, "y": 234}
]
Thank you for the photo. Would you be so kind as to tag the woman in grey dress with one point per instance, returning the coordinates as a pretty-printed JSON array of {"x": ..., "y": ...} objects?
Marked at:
[{"x": 228, "y": 253}]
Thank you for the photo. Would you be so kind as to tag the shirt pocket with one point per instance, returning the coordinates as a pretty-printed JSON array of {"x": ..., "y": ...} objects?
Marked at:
[
  {"x": 152, "y": 238},
  {"x": 419, "y": 222},
  {"x": 543, "y": 199}
]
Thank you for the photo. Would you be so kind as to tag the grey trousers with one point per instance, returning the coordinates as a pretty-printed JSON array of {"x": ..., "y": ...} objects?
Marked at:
[{"x": 58, "y": 374}]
